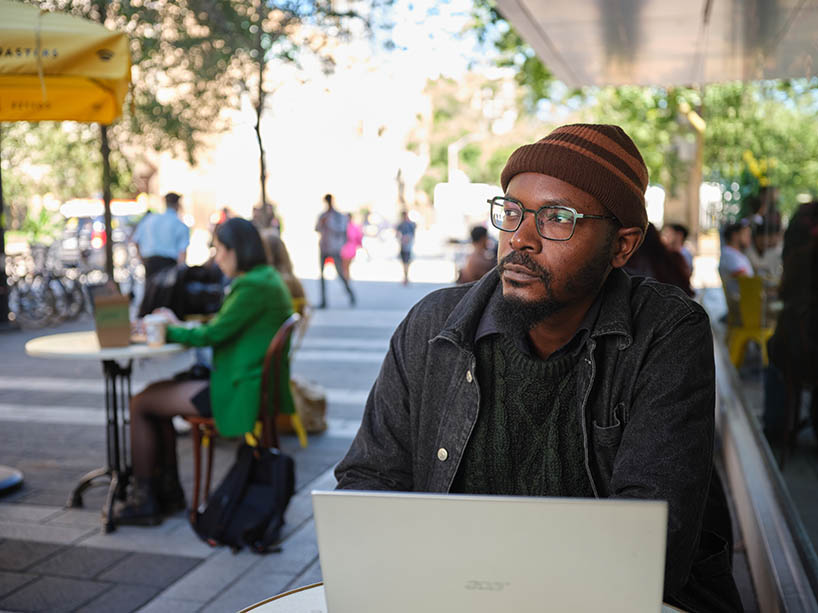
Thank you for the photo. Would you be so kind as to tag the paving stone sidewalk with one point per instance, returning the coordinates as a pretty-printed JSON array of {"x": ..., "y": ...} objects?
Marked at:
[{"x": 57, "y": 559}]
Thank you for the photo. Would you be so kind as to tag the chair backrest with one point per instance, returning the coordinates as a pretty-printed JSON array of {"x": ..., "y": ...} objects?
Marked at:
[
  {"x": 733, "y": 316},
  {"x": 272, "y": 368},
  {"x": 302, "y": 307},
  {"x": 751, "y": 296}
]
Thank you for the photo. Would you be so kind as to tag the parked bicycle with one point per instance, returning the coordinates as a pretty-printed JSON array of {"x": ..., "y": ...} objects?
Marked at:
[{"x": 43, "y": 291}]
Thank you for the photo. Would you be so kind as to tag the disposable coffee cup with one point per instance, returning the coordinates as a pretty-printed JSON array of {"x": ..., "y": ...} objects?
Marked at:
[{"x": 155, "y": 330}]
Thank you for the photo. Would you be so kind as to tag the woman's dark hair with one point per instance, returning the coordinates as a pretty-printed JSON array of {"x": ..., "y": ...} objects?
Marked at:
[
  {"x": 653, "y": 259},
  {"x": 242, "y": 237}
]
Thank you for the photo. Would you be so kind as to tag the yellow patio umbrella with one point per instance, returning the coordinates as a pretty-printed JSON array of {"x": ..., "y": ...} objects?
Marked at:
[{"x": 55, "y": 66}]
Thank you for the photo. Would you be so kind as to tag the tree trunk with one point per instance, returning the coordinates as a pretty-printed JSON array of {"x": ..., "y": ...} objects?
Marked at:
[{"x": 266, "y": 210}]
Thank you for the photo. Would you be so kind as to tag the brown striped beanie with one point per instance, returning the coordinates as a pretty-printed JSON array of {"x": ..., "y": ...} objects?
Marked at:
[{"x": 599, "y": 159}]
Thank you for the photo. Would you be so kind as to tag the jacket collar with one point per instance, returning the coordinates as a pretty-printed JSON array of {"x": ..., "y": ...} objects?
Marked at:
[{"x": 614, "y": 314}]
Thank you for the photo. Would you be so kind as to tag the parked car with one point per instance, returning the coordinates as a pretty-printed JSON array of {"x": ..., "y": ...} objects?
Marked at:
[{"x": 83, "y": 239}]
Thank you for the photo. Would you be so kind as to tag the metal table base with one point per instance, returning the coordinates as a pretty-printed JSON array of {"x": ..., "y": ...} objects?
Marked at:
[{"x": 117, "y": 422}]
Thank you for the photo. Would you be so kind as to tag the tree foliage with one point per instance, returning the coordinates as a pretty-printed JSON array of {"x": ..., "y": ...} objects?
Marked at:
[
  {"x": 58, "y": 158},
  {"x": 193, "y": 62},
  {"x": 757, "y": 133}
]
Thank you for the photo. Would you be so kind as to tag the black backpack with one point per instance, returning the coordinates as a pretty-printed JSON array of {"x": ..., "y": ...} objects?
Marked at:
[{"x": 247, "y": 508}]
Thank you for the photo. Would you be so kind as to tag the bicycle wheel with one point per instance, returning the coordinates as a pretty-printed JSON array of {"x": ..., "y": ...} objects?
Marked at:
[
  {"x": 74, "y": 295},
  {"x": 34, "y": 302}
]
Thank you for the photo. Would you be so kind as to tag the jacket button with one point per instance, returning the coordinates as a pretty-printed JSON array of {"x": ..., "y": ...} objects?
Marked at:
[
  {"x": 469, "y": 378},
  {"x": 442, "y": 454}
]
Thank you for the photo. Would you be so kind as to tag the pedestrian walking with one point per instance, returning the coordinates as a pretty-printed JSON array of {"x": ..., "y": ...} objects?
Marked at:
[
  {"x": 332, "y": 226},
  {"x": 355, "y": 236},
  {"x": 406, "y": 237}
]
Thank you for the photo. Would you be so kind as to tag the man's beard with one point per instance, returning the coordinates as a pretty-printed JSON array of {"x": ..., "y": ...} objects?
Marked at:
[{"x": 516, "y": 316}]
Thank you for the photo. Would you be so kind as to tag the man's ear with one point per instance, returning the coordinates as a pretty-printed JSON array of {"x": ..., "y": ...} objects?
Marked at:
[{"x": 625, "y": 244}]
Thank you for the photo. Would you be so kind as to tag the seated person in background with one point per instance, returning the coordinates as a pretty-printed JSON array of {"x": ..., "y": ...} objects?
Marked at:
[
  {"x": 557, "y": 374},
  {"x": 481, "y": 259},
  {"x": 653, "y": 259},
  {"x": 733, "y": 263},
  {"x": 674, "y": 236},
  {"x": 240, "y": 333},
  {"x": 764, "y": 251},
  {"x": 279, "y": 258}
]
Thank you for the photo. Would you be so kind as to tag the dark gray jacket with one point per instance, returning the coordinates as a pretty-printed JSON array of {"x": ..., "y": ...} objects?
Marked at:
[{"x": 647, "y": 403}]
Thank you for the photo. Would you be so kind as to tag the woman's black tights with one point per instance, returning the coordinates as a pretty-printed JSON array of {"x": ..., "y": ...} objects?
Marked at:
[{"x": 153, "y": 439}]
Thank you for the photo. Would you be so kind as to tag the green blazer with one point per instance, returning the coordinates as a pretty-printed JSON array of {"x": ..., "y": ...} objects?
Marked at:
[{"x": 255, "y": 308}]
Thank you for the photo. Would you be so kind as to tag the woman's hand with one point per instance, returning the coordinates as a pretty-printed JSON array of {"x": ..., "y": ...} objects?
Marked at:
[{"x": 169, "y": 315}]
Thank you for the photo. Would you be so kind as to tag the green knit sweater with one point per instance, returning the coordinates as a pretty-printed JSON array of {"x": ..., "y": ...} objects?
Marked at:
[{"x": 527, "y": 440}]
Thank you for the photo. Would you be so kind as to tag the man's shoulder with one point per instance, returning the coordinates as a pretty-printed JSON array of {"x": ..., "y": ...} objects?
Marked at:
[{"x": 661, "y": 302}]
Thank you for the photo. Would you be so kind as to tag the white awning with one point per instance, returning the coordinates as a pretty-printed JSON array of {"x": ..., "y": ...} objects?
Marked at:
[{"x": 669, "y": 42}]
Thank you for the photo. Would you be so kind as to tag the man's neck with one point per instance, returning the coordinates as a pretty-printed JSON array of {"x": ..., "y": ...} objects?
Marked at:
[{"x": 551, "y": 334}]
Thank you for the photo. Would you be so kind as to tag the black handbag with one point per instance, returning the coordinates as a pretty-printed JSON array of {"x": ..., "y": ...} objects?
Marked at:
[{"x": 247, "y": 508}]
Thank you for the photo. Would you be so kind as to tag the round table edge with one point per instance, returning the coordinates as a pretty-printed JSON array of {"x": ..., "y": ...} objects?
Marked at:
[
  {"x": 36, "y": 352},
  {"x": 283, "y": 595}
]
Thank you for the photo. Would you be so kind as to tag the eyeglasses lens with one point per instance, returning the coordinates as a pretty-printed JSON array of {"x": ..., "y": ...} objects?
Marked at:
[{"x": 553, "y": 222}]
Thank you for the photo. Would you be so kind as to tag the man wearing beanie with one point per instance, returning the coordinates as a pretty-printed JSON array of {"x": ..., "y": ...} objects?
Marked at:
[{"x": 557, "y": 374}]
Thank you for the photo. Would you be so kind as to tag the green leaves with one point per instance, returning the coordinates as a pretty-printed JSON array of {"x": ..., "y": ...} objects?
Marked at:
[{"x": 773, "y": 120}]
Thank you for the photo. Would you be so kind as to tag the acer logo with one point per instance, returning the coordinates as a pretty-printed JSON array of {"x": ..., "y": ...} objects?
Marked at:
[{"x": 487, "y": 586}]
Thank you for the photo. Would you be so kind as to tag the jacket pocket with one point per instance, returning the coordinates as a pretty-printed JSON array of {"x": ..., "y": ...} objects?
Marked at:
[
  {"x": 605, "y": 441},
  {"x": 609, "y": 436}
]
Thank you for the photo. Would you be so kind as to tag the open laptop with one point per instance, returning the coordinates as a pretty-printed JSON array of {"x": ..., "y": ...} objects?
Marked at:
[{"x": 423, "y": 553}]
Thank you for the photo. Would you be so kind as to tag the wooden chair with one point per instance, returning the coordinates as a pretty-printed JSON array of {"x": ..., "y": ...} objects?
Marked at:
[
  {"x": 203, "y": 429},
  {"x": 752, "y": 326},
  {"x": 302, "y": 307}
]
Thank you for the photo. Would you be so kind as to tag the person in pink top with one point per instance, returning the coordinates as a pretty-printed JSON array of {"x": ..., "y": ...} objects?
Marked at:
[{"x": 355, "y": 235}]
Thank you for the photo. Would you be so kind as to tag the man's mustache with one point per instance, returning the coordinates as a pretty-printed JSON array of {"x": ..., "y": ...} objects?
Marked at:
[{"x": 520, "y": 258}]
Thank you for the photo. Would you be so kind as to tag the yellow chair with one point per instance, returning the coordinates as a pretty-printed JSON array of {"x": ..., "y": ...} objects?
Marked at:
[{"x": 752, "y": 326}]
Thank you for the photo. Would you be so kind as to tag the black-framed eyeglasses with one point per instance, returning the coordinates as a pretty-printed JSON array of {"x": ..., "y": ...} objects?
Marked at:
[{"x": 553, "y": 222}]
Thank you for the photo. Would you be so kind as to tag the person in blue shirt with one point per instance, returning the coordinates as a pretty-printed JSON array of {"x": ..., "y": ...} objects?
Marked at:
[
  {"x": 406, "y": 236},
  {"x": 162, "y": 240}
]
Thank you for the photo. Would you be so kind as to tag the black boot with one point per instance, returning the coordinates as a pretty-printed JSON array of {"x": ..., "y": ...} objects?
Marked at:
[
  {"x": 169, "y": 492},
  {"x": 140, "y": 508}
]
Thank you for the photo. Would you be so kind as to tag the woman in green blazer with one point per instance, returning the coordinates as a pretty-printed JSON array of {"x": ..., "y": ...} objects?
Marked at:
[{"x": 258, "y": 303}]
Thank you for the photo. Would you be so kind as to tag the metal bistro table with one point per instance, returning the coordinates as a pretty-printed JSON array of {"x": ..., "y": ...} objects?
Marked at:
[{"x": 84, "y": 346}]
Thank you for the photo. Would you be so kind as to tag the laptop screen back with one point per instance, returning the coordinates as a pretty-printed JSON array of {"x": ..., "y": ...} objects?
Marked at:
[{"x": 415, "y": 553}]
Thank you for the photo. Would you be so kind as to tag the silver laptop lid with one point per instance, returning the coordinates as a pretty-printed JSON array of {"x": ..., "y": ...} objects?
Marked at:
[{"x": 410, "y": 553}]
